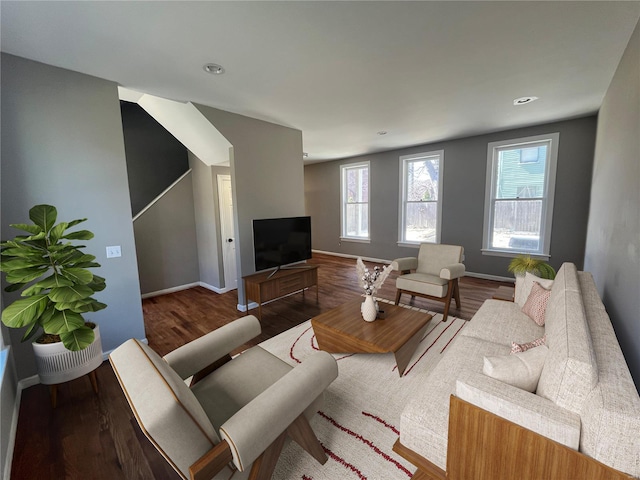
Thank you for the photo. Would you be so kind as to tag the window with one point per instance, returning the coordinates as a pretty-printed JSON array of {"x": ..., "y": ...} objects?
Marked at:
[
  {"x": 521, "y": 177},
  {"x": 355, "y": 201},
  {"x": 421, "y": 194}
]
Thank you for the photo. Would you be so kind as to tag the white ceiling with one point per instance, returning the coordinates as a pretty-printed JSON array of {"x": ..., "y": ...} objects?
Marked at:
[{"x": 342, "y": 71}]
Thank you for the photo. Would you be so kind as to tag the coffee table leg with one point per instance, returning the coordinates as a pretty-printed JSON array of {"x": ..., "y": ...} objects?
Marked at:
[{"x": 404, "y": 354}]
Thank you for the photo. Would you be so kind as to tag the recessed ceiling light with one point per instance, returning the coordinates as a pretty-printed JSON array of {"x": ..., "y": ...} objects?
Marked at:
[
  {"x": 524, "y": 100},
  {"x": 381, "y": 132},
  {"x": 213, "y": 68}
]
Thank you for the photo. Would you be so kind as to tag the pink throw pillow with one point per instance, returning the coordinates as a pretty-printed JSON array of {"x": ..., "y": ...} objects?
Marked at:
[
  {"x": 523, "y": 347},
  {"x": 536, "y": 304}
]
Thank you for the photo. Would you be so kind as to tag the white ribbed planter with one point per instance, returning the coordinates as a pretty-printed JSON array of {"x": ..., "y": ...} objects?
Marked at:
[{"x": 56, "y": 364}]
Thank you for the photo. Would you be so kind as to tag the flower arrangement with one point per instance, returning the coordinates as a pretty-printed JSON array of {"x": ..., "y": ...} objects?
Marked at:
[{"x": 371, "y": 280}]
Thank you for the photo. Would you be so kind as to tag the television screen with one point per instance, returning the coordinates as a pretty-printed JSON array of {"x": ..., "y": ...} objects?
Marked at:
[{"x": 281, "y": 241}]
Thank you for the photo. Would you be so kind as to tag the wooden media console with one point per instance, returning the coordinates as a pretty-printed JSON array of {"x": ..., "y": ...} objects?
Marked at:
[{"x": 265, "y": 286}]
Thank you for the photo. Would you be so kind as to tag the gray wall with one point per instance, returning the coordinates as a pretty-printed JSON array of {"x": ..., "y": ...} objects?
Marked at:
[
  {"x": 62, "y": 144},
  {"x": 207, "y": 213},
  {"x": 155, "y": 158},
  {"x": 613, "y": 236},
  {"x": 465, "y": 163},
  {"x": 267, "y": 175},
  {"x": 166, "y": 242}
]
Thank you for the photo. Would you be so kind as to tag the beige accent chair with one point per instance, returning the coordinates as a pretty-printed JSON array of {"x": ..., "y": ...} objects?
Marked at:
[
  {"x": 236, "y": 414},
  {"x": 435, "y": 274}
]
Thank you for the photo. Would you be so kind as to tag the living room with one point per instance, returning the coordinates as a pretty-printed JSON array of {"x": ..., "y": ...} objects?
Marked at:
[{"x": 62, "y": 144}]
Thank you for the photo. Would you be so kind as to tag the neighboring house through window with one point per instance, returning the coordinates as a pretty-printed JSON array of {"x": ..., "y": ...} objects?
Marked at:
[
  {"x": 521, "y": 177},
  {"x": 421, "y": 197},
  {"x": 354, "y": 191}
]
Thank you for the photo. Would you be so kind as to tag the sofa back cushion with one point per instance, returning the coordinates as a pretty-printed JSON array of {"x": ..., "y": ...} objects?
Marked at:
[
  {"x": 433, "y": 257},
  {"x": 570, "y": 372},
  {"x": 610, "y": 415}
]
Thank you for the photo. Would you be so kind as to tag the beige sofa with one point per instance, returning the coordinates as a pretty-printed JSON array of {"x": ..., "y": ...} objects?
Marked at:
[{"x": 585, "y": 397}]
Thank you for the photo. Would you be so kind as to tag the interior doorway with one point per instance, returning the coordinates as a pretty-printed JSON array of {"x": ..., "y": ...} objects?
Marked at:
[{"x": 227, "y": 232}]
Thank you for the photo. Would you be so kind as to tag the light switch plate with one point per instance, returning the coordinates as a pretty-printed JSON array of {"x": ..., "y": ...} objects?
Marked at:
[{"x": 114, "y": 251}]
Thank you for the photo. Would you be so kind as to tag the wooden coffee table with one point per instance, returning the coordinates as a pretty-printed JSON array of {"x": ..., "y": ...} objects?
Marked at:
[{"x": 342, "y": 330}]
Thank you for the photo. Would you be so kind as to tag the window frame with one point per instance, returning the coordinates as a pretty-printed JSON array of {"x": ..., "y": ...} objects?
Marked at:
[
  {"x": 544, "y": 245},
  {"x": 404, "y": 161},
  {"x": 344, "y": 168}
]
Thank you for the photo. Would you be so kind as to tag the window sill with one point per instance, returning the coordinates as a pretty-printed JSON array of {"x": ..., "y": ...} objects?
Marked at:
[
  {"x": 513, "y": 253},
  {"x": 355, "y": 240},
  {"x": 410, "y": 244}
]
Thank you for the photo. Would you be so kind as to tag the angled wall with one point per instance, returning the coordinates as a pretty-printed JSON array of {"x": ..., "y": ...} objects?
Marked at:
[
  {"x": 267, "y": 174},
  {"x": 613, "y": 237},
  {"x": 62, "y": 144}
]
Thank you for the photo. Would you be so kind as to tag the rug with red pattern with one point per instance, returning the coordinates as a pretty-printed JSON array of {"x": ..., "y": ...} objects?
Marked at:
[{"x": 359, "y": 422}]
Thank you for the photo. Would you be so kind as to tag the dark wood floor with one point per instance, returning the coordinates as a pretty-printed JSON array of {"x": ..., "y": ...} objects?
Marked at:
[{"x": 95, "y": 437}]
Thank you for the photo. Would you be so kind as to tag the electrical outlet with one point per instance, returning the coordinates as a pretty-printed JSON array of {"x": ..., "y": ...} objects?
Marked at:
[{"x": 114, "y": 251}]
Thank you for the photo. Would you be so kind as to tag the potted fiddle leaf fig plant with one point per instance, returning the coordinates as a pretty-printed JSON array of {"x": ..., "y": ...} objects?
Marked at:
[
  {"x": 525, "y": 263},
  {"x": 56, "y": 291}
]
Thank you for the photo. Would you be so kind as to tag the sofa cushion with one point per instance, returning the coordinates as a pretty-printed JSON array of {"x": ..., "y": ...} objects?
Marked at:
[
  {"x": 502, "y": 322},
  {"x": 524, "y": 285},
  {"x": 523, "y": 347},
  {"x": 570, "y": 370},
  {"x": 521, "y": 370},
  {"x": 536, "y": 305},
  {"x": 424, "y": 421}
]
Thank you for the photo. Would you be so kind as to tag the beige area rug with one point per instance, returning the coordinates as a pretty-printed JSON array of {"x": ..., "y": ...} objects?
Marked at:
[{"x": 361, "y": 417}]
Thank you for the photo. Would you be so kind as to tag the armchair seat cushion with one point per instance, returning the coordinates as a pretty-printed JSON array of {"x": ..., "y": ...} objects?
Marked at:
[
  {"x": 423, "y": 283},
  {"x": 232, "y": 386}
]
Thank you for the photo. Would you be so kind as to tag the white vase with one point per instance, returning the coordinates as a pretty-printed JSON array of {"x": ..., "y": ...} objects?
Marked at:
[
  {"x": 369, "y": 309},
  {"x": 56, "y": 364}
]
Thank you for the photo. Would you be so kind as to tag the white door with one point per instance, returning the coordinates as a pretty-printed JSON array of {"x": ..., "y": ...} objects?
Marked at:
[{"x": 227, "y": 232}]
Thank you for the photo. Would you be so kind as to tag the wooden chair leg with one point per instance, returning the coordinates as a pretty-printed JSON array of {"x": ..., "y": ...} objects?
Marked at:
[
  {"x": 263, "y": 466},
  {"x": 398, "y": 293},
  {"x": 302, "y": 433},
  {"x": 456, "y": 292},
  {"x": 447, "y": 300}
]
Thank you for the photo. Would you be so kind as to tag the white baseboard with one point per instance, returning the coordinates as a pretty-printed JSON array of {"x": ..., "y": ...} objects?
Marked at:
[
  {"x": 186, "y": 286},
  {"x": 243, "y": 308},
  {"x": 485, "y": 276}
]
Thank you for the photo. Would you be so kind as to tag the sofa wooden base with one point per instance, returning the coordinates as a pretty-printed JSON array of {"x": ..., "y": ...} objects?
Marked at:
[{"x": 484, "y": 446}]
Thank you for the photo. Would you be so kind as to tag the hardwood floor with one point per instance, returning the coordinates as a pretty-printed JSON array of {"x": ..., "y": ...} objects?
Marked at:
[{"x": 91, "y": 436}]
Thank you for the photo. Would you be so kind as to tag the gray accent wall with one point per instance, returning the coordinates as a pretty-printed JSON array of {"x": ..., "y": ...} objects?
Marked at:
[
  {"x": 155, "y": 159},
  {"x": 465, "y": 164},
  {"x": 62, "y": 144},
  {"x": 267, "y": 174},
  {"x": 613, "y": 236},
  {"x": 166, "y": 241}
]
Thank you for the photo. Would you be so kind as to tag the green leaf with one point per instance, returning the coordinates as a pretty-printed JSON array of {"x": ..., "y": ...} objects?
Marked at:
[
  {"x": 70, "y": 294},
  {"x": 31, "y": 238},
  {"x": 14, "y": 287},
  {"x": 84, "y": 258},
  {"x": 78, "y": 339},
  {"x": 21, "y": 263},
  {"x": 24, "y": 311},
  {"x": 54, "y": 281},
  {"x": 57, "y": 232},
  {"x": 31, "y": 331},
  {"x": 73, "y": 223},
  {"x": 86, "y": 264},
  {"x": 25, "y": 275},
  {"x": 63, "y": 322},
  {"x": 44, "y": 216},
  {"x": 32, "y": 229},
  {"x": 77, "y": 275},
  {"x": 79, "y": 235},
  {"x": 82, "y": 306}
]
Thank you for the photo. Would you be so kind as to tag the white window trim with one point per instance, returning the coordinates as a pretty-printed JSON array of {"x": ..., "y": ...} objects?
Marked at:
[
  {"x": 547, "y": 204},
  {"x": 343, "y": 236},
  {"x": 404, "y": 159}
]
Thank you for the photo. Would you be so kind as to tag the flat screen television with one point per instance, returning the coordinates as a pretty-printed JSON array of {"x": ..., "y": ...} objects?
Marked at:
[{"x": 281, "y": 241}]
